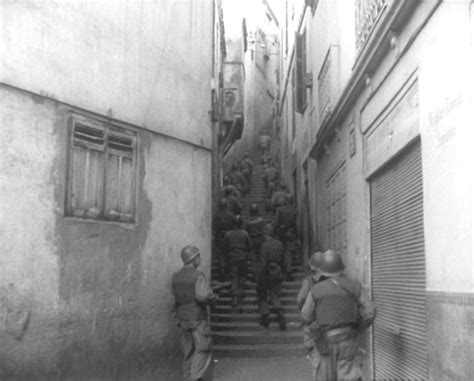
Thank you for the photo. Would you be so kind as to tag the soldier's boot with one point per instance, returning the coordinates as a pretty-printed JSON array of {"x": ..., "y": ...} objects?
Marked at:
[
  {"x": 265, "y": 320},
  {"x": 281, "y": 321}
]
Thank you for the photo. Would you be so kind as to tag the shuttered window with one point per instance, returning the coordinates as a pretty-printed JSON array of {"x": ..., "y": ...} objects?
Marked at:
[
  {"x": 398, "y": 269},
  {"x": 102, "y": 173},
  {"x": 337, "y": 210},
  {"x": 300, "y": 72}
]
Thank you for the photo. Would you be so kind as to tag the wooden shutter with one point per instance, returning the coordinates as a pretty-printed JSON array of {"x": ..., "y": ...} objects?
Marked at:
[
  {"x": 120, "y": 179},
  {"x": 398, "y": 269},
  {"x": 87, "y": 171}
]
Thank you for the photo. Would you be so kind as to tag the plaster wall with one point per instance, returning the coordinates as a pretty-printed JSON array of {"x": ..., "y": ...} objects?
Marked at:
[
  {"x": 259, "y": 95},
  {"x": 97, "y": 294},
  {"x": 439, "y": 57},
  {"x": 139, "y": 62}
]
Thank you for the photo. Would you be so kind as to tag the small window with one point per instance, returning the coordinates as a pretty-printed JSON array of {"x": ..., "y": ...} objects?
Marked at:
[
  {"x": 300, "y": 72},
  {"x": 102, "y": 172}
]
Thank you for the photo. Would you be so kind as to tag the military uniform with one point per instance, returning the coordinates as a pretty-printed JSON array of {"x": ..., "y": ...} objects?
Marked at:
[
  {"x": 270, "y": 178},
  {"x": 334, "y": 303},
  {"x": 284, "y": 220},
  {"x": 246, "y": 168},
  {"x": 238, "y": 180},
  {"x": 222, "y": 224},
  {"x": 264, "y": 143},
  {"x": 254, "y": 227},
  {"x": 234, "y": 204},
  {"x": 269, "y": 275},
  {"x": 278, "y": 199},
  {"x": 238, "y": 246},
  {"x": 192, "y": 293}
]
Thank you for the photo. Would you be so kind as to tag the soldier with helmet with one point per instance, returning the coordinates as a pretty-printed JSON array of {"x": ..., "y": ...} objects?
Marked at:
[
  {"x": 284, "y": 223},
  {"x": 192, "y": 294},
  {"x": 254, "y": 227},
  {"x": 246, "y": 167},
  {"x": 238, "y": 247},
  {"x": 235, "y": 205},
  {"x": 223, "y": 222},
  {"x": 338, "y": 309},
  {"x": 264, "y": 142},
  {"x": 279, "y": 196},
  {"x": 269, "y": 276},
  {"x": 227, "y": 182},
  {"x": 306, "y": 286}
]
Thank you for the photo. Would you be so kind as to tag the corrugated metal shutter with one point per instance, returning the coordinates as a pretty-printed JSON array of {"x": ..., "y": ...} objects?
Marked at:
[{"x": 398, "y": 269}]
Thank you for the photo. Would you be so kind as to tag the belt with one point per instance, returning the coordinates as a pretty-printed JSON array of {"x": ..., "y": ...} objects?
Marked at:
[{"x": 338, "y": 331}]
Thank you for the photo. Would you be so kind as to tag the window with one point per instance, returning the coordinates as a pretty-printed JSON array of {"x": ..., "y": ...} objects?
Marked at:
[
  {"x": 300, "y": 72},
  {"x": 102, "y": 172},
  {"x": 337, "y": 210}
]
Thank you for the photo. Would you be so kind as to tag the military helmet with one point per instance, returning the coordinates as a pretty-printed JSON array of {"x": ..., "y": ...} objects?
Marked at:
[
  {"x": 268, "y": 229},
  {"x": 238, "y": 220},
  {"x": 282, "y": 185},
  {"x": 226, "y": 180},
  {"x": 253, "y": 209},
  {"x": 289, "y": 198},
  {"x": 227, "y": 190},
  {"x": 188, "y": 253},
  {"x": 223, "y": 203},
  {"x": 331, "y": 263},
  {"x": 316, "y": 260}
]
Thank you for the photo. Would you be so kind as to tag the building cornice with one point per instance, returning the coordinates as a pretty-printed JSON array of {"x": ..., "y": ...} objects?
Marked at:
[{"x": 367, "y": 62}]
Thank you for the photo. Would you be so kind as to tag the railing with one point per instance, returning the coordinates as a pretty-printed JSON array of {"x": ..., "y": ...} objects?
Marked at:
[{"x": 367, "y": 14}]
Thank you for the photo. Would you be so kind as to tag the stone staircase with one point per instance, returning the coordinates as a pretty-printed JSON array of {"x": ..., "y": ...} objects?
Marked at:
[{"x": 237, "y": 333}]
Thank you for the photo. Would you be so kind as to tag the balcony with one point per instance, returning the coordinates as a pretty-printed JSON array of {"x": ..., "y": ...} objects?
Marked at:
[
  {"x": 368, "y": 12},
  {"x": 232, "y": 103}
]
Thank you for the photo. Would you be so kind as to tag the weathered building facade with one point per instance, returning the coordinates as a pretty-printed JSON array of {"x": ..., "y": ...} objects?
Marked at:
[
  {"x": 375, "y": 103},
  {"x": 254, "y": 51},
  {"x": 106, "y": 142}
]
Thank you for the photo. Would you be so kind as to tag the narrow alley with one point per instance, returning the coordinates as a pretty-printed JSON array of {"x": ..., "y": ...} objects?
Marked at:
[{"x": 236, "y": 190}]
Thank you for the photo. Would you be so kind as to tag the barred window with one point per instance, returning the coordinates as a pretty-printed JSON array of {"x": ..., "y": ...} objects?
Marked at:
[{"x": 102, "y": 172}]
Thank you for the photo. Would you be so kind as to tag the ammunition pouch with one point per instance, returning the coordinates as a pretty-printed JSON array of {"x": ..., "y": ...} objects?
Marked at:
[{"x": 319, "y": 336}]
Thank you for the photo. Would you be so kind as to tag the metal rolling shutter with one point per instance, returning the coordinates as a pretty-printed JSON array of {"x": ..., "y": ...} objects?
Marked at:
[{"x": 398, "y": 269}]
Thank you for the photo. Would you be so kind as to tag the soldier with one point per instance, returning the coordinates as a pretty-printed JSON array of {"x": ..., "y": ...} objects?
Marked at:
[
  {"x": 234, "y": 204},
  {"x": 269, "y": 277},
  {"x": 284, "y": 220},
  {"x": 278, "y": 198},
  {"x": 337, "y": 309},
  {"x": 264, "y": 142},
  {"x": 246, "y": 167},
  {"x": 270, "y": 177},
  {"x": 238, "y": 247},
  {"x": 227, "y": 182},
  {"x": 238, "y": 179},
  {"x": 223, "y": 222},
  {"x": 192, "y": 294},
  {"x": 254, "y": 227},
  {"x": 306, "y": 285},
  {"x": 292, "y": 250}
]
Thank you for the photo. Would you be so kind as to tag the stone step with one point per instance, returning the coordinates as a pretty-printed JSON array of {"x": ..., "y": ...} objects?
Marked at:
[
  {"x": 246, "y": 308},
  {"x": 259, "y": 351},
  {"x": 263, "y": 336},
  {"x": 251, "y": 326},
  {"x": 250, "y": 285},
  {"x": 252, "y": 293},
  {"x": 252, "y": 300},
  {"x": 253, "y": 317}
]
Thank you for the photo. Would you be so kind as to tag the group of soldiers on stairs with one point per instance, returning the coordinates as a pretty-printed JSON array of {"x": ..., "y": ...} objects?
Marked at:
[{"x": 335, "y": 309}]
